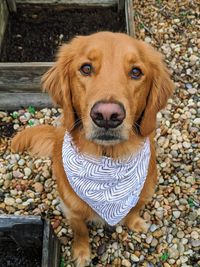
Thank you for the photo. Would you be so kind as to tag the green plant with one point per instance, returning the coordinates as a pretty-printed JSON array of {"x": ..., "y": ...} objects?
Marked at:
[
  {"x": 164, "y": 256},
  {"x": 31, "y": 109},
  {"x": 62, "y": 262}
]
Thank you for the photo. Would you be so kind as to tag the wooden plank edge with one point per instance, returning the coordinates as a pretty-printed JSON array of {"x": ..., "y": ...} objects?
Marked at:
[
  {"x": 12, "y": 5},
  {"x": 130, "y": 18},
  {"x": 27, "y": 65},
  {"x": 3, "y": 20},
  {"x": 12, "y": 101},
  {"x": 71, "y": 2}
]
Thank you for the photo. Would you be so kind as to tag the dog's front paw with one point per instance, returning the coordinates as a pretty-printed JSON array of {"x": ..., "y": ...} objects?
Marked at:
[
  {"x": 81, "y": 255},
  {"x": 137, "y": 224}
]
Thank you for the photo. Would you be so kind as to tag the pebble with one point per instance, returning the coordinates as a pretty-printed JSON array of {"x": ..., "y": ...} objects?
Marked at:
[
  {"x": 126, "y": 263},
  {"x": 27, "y": 171},
  {"x": 21, "y": 162},
  {"x": 176, "y": 214},
  {"x": 186, "y": 145},
  {"x": 18, "y": 200},
  {"x": 153, "y": 227},
  {"x": 194, "y": 235},
  {"x": 17, "y": 174},
  {"x": 119, "y": 229},
  {"x": 64, "y": 240},
  {"x": 101, "y": 249},
  {"x": 131, "y": 246},
  {"x": 134, "y": 258},
  {"x": 56, "y": 212},
  {"x": 154, "y": 242},
  {"x": 180, "y": 234},
  {"x": 195, "y": 243},
  {"x": 193, "y": 58},
  {"x": 38, "y": 187},
  {"x": 192, "y": 91},
  {"x": 196, "y": 121},
  {"x": 173, "y": 252},
  {"x": 188, "y": 86},
  {"x": 149, "y": 239},
  {"x": 9, "y": 201}
]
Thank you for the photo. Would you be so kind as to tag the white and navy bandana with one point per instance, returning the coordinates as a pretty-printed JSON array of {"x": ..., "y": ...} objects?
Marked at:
[{"x": 110, "y": 187}]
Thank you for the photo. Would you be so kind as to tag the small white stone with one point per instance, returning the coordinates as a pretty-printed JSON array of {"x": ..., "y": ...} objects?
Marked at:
[
  {"x": 192, "y": 91},
  {"x": 176, "y": 214},
  {"x": 9, "y": 201},
  {"x": 194, "y": 235},
  {"x": 184, "y": 241},
  {"x": 149, "y": 239},
  {"x": 115, "y": 245},
  {"x": 119, "y": 229},
  {"x": 56, "y": 212},
  {"x": 15, "y": 126},
  {"x": 27, "y": 171},
  {"x": 134, "y": 258},
  {"x": 18, "y": 200},
  {"x": 55, "y": 202},
  {"x": 25, "y": 203},
  {"x": 183, "y": 259},
  {"x": 147, "y": 39},
  {"x": 196, "y": 121},
  {"x": 186, "y": 145},
  {"x": 13, "y": 192},
  {"x": 21, "y": 162},
  {"x": 193, "y": 58}
]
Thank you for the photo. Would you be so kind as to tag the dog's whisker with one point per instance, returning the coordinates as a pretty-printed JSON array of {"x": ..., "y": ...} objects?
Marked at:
[{"x": 77, "y": 122}]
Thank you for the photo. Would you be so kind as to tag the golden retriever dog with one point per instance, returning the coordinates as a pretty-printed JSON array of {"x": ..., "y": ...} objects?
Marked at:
[{"x": 110, "y": 87}]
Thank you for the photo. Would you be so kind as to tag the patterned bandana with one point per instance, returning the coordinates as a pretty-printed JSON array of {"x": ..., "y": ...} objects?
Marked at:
[{"x": 110, "y": 187}]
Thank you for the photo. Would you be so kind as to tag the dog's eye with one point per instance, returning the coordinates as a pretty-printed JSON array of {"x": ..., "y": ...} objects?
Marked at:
[
  {"x": 86, "y": 69},
  {"x": 136, "y": 73}
]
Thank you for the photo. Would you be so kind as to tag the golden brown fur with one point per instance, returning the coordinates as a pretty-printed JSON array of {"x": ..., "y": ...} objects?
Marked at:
[{"x": 113, "y": 56}]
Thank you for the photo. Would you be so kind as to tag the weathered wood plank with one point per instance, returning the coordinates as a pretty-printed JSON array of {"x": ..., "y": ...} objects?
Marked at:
[
  {"x": 121, "y": 4},
  {"x": 11, "y": 5},
  {"x": 129, "y": 18},
  {"x": 13, "y": 101},
  {"x": 71, "y": 2},
  {"x": 3, "y": 20},
  {"x": 17, "y": 77}
]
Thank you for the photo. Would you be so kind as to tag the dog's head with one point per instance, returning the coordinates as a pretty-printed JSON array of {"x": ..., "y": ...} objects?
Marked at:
[{"x": 113, "y": 83}]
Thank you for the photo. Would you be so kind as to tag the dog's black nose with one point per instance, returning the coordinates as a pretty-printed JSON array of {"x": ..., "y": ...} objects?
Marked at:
[{"x": 107, "y": 114}]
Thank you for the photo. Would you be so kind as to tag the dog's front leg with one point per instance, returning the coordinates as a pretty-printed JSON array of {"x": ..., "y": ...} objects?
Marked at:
[
  {"x": 81, "y": 250},
  {"x": 133, "y": 220}
]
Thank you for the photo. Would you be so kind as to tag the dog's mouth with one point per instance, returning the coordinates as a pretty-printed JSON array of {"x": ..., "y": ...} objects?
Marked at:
[{"x": 106, "y": 137}]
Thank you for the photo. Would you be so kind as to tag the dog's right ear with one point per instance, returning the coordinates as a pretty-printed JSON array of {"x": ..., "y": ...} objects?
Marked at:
[{"x": 56, "y": 82}]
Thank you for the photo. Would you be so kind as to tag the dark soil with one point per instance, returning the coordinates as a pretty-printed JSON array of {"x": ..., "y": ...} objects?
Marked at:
[
  {"x": 6, "y": 129},
  {"x": 34, "y": 33},
  {"x": 13, "y": 256}
]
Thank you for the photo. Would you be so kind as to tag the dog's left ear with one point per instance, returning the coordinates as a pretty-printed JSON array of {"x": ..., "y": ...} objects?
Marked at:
[
  {"x": 161, "y": 89},
  {"x": 56, "y": 81}
]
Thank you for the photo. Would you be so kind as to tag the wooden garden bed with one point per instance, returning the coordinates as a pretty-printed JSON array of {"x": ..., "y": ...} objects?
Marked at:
[{"x": 20, "y": 81}]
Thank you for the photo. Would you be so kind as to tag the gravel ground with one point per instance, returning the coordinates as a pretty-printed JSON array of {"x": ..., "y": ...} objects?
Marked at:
[{"x": 173, "y": 239}]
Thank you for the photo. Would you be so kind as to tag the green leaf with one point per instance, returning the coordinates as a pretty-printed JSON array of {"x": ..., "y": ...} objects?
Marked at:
[
  {"x": 62, "y": 262},
  {"x": 31, "y": 122},
  {"x": 164, "y": 256},
  {"x": 141, "y": 25},
  {"x": 31, "y": 109},
  {"x": 15, "y": 115},
  {"x": 191, "y": 202}
]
